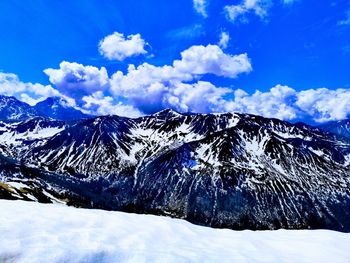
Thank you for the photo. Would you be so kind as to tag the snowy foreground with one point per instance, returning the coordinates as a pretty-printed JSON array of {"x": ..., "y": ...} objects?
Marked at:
[{"x": 33, "y": 232}]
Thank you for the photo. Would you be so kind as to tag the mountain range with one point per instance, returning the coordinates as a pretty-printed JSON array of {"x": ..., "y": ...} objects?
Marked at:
[
  {"x": 230, "y": 170},
  {"x": 12, "y": 109}
]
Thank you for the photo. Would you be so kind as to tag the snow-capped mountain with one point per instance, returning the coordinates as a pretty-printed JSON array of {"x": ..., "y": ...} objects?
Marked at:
[
  {"x": 59, "y": 109},
  {"x": 224, "y": 170},
  {"x": 12, "y": 109},
  {"x": 341, "y": 128}
]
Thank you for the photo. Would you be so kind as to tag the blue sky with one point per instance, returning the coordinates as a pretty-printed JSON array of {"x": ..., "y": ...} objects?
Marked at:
[{"x": 302, "y": 45}]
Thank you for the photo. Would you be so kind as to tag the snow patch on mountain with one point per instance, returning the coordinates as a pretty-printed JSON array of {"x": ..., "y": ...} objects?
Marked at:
[{"x": 31, "y": 129}]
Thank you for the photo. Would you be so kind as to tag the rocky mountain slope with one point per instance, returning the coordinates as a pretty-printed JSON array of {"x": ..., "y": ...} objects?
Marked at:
[{"x": 222, "y": 170}]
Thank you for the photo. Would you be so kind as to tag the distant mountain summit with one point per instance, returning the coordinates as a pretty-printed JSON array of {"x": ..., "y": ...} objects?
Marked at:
[
  {"x": 12, "y": 109},
  {"x": 167, "y": 113},
  {"x": 59, "y": 109},
  {"x": 341, "y": 128}
]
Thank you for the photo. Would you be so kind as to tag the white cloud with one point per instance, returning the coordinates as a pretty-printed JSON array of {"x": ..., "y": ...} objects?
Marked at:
[
  {"x": 283, "y": 102},
  {"x": 28, "y": 92},
  {"x": 150, "y": 88},
  {"x": 200, "y": 7},
  {"x": 201, "y": 97},
  {"x": 77, "y": 80},
  {"x": 210, "y": 59},
  {"x": 236, "y": 13},
  {"x": 99, "y": 104},
  {"x": 147, "y": 88},
  {"x": 196, "y": 97},
  {"x": 118, "y": 47},
  {"x": 276, "y": 103},
  {"x": 224, "y": 39},
  {"x": 324, "y": 104},
  {"x": 28, "y": 99},
  {"x": 280, "y": 102}
]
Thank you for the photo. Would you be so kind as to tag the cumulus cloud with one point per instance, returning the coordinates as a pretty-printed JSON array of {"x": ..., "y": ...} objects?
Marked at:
[
  {"x": 99, "y": 104},
  {"x": 239, "y": 12},
  {"x": 89, "y": 86},
  {"x": 283, "y": 102},
  {"x": 210, "y": 59},
  {"x": 28, "y": 92},
  {"x": 277, "y": 103},
  {"x": 224, "y": 39},
  {"x": 201, "y": 96},
  {"x": 118, "y": 47},
  {"x": 324, "y": 104},
  {"x": 200, "y": 7},
  {"x": 147, "y": 88},
  {"x": 77, "y": 80},
  {"x": 150, "y": 88}
]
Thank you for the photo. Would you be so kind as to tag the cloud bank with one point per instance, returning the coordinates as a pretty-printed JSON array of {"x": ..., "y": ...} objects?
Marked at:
[
  {"x": 146, "y": 88},
  {"x": 162, "y": 91},
  {"x": 283, "y": 102},
  {"x": 151, "y": 88}
]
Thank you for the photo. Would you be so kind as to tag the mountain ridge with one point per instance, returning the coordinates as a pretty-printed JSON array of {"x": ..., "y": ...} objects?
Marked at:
[
  {"x": 233, "y": 170},
  {"x": 12, "y": 109},
  {"x": 222, "y": 170}
]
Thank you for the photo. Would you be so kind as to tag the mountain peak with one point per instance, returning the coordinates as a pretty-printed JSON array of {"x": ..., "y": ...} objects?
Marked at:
[
  {"x": 59, "y": 108},
  {"x": 13, "y": 109},
  {"x": 167, "y": 113},
  {"x": 55, "y": 101}
]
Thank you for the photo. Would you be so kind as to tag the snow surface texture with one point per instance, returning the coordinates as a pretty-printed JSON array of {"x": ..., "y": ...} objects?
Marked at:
[{"x": 33, "y": 232}]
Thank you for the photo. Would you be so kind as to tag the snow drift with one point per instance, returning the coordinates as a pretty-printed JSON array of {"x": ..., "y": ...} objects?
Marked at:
[{"x": 33, "y": 232}]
